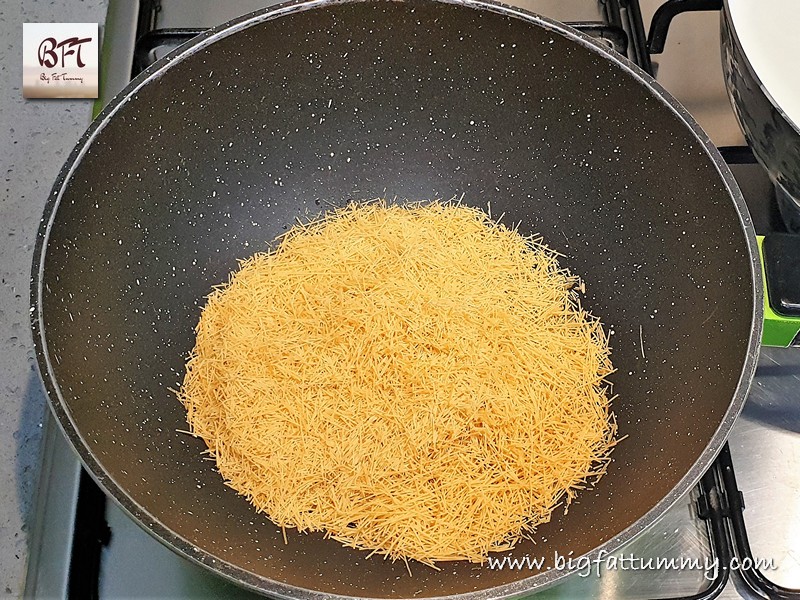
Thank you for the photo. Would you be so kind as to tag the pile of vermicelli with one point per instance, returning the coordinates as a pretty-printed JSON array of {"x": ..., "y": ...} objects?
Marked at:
[{"x": 420, "y": 382}]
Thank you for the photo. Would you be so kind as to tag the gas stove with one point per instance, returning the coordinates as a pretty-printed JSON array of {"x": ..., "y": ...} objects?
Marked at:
[{"x": 745, "y": 512}]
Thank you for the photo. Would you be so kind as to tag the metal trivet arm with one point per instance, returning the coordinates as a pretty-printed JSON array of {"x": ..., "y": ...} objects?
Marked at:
[
  {"x": 710, "y": 509},
  {"x": 721, "y": 504},
  {"x": 659, "y": 26},
  {"x": 752, "y": 577}
]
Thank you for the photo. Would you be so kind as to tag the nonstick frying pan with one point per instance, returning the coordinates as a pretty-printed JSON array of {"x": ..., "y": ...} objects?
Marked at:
[{"x": 214, "y": 151}]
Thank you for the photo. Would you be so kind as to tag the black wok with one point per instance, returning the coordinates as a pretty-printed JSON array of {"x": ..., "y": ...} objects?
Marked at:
[{"x": 209, "y": 155}]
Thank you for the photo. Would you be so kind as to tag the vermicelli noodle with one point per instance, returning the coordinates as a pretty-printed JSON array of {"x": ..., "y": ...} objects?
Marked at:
[{"x": 415, "y": 381}]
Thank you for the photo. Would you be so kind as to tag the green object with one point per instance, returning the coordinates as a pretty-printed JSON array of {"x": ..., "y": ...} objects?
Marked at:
[
  {"x": 105, "y": 64},
  {"x": 97, "y": 108},
  {"x": 778, "y": 330}
]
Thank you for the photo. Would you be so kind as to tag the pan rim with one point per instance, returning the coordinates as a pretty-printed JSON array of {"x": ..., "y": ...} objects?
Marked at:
[{"x": 274, "y": 588}]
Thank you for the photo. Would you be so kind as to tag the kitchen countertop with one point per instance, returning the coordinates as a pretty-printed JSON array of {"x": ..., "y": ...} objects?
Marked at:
[{"x": 37, "y": 136}]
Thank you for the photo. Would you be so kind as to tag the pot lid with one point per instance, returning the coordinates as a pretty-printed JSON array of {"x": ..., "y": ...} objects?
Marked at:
[{"x": 769, "y": 34}]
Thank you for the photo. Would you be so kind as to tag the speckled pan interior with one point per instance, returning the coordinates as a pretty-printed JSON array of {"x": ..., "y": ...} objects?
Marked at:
[{"x": 286, "y": 112}]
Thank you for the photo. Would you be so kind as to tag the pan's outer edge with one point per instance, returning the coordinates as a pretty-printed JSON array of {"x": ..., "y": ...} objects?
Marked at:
[{"x": 282, "y": 590}]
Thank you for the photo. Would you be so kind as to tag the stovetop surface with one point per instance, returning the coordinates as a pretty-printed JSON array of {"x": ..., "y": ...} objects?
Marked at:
[{"x": 765, "y": 442}]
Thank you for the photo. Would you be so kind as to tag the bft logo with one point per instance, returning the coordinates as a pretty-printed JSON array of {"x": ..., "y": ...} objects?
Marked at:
[
  {"x": 48, "y": 57},
  {"x": 60, "y": 60}
]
